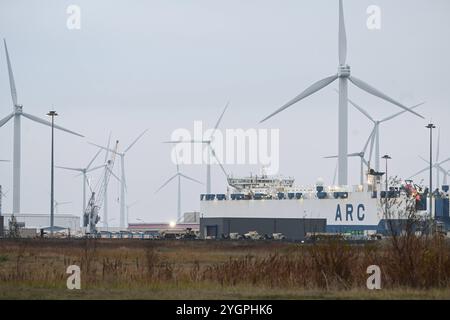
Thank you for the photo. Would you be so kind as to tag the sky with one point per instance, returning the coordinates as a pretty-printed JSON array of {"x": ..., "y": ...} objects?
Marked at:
[{"x": 163, "y": 64}]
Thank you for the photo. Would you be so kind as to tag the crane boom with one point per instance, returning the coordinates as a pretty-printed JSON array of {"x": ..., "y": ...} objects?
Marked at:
[{"x": 91, "y": 216}]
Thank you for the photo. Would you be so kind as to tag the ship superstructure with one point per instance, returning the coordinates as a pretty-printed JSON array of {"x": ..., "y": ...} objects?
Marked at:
[{"x": 348, "y": 208}]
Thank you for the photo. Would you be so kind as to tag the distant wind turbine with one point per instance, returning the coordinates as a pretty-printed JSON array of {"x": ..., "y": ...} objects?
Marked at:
[
  {"x": 178, "y": 175},
  {"x": 211, "y": 152},
  {"x": 16, "y": 115},
  {"x": 123, "y": 182},
  {"x": 105, "y": 187},
  {"x": 343, "y": 75},
  {"x": 437, "y": 165},
  {"x": 84, "y": 171},
  {"x": 129, "y": 206},
  {"x": 361, "y": 155},
  {"x": 376, "y": 128}
]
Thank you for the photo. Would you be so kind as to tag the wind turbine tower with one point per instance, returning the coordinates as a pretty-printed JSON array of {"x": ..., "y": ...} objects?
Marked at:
[
  {"x": 16, "y": 115},
  {"x": 344, "y": 75}
]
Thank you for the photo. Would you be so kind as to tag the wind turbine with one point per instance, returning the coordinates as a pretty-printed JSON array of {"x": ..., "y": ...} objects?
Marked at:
[
  {"x": 344, "y": 76},
  {"x": 361, "y": 155},
  {"x": 105, "y": 188},
  {"x": 84, "y": 171},
  {"x": 130, "y": 205},
  {"x": 178, "y": 175},
  {"x": 376, "y": 128},
  {"x": 210, "y": 150},
  {"x": 123, "y": 179},
  {"x": 16, "y": 115},
  {"x": 437, "y": 165}
]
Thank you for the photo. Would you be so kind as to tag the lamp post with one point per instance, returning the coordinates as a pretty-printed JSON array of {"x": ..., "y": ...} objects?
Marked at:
[
  {"x": 52, "y": 114},
  {"x": 386, "y": 157},
  {"x": 431, "y": 127}
]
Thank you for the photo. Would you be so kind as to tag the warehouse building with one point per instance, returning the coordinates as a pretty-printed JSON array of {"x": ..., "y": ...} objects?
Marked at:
[
  {"x": 291, "y": 228},
  {"x": 40, "y": 221}
]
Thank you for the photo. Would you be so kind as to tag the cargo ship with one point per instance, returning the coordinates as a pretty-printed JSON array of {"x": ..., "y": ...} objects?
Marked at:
[{"x": 262, "y": 202}]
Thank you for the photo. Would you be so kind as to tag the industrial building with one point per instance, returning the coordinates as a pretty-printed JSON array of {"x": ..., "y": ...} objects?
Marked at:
[
  {"x": 292, "y": 229},
  {"x": 40, "y": 221}
]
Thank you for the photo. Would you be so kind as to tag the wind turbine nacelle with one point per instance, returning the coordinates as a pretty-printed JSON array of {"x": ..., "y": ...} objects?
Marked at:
[
  {"x": 18, "y": 108},
  {"x": 344, "y": 71}
]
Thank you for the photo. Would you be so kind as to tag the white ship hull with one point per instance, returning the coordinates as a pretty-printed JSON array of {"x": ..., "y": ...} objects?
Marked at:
[{"x": 358, "y": 212}]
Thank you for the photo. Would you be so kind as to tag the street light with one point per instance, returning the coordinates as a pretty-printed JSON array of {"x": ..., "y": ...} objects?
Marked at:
[
  {"x": 52, "y": 114},
  {"x": 431, "y": 127},
  {"x": 386, "y": 157}
]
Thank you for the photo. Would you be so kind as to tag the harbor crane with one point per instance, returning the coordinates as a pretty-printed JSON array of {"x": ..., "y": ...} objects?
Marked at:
[{"x": 91, "y": 213}]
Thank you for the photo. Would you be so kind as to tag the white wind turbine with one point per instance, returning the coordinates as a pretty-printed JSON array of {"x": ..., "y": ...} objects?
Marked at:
[
  {"x": 437, "y": 165},
  {"x": 16, "y": 115},
  {"x": 123, "y": 182},
  {"x": 376, "y": 128},
  {"x": 361, "y": 155},
  {"x": 84, "y": 171},
  {"x": 210, "y": 151},
  {"x": 129, "y": 206},
  {"x": 343, "y": 75},
  {"x": 178, "y": 175},
  {"x": 105, "y": 187}
]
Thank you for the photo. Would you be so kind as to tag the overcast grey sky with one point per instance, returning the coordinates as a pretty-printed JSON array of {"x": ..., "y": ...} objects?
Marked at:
[{"x": 161, "y": 64}]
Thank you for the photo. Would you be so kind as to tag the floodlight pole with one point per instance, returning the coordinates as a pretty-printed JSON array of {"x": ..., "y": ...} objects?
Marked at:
[
  {"x": 431, "y": 127},
  {"x": 386, "y": 157}
]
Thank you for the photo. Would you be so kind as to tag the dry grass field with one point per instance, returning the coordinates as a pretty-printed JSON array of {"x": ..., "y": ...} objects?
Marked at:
[{"x": 144, "y": 269}]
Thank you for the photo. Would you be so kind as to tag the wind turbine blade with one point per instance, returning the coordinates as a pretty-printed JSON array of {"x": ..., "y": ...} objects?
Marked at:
[
  {"x": 108, "y": 146},
  {"x": 342, "y": 36},
  {"x": 47, "y": 123},
  {"x": 96, "y": 168},
  {"x": 12, "y": 83},
  {"x": 366, "y": 87},
  {"x": 442, "y": 162},
  {"x": 6, "y": 119},
  {"x": 360, "y": 109},
  {"x": 220, "y": 119},
  {"x": 421, "y": 171},
  {"x": 189, "y": 178},
  {"x": 365, "y": 161},
  {"x": 425, "y": 160},
  {"x": 218, "y": 161},
  {"x": 356, "y": 154},
  {"x": 335, "y": 173},
  {"x": 136, "y": 140},
  {"x": 93, "y": 159},
  {"x": 441, "y": 169},
  {"x": 72, "y": 169},
  {"x": 368, "y": 140},
  {"x": 309, "y": 91},
  {"x": 5, "y": 161},
  {"x": 401, "y": 112},
  {"x": 104, "y": 148},
  {"x": 186, "y": 141},
  {"x": 374, "y": 133},
  {"x": 167, "y": 182},
  {"x": 114, "y": 175}
]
